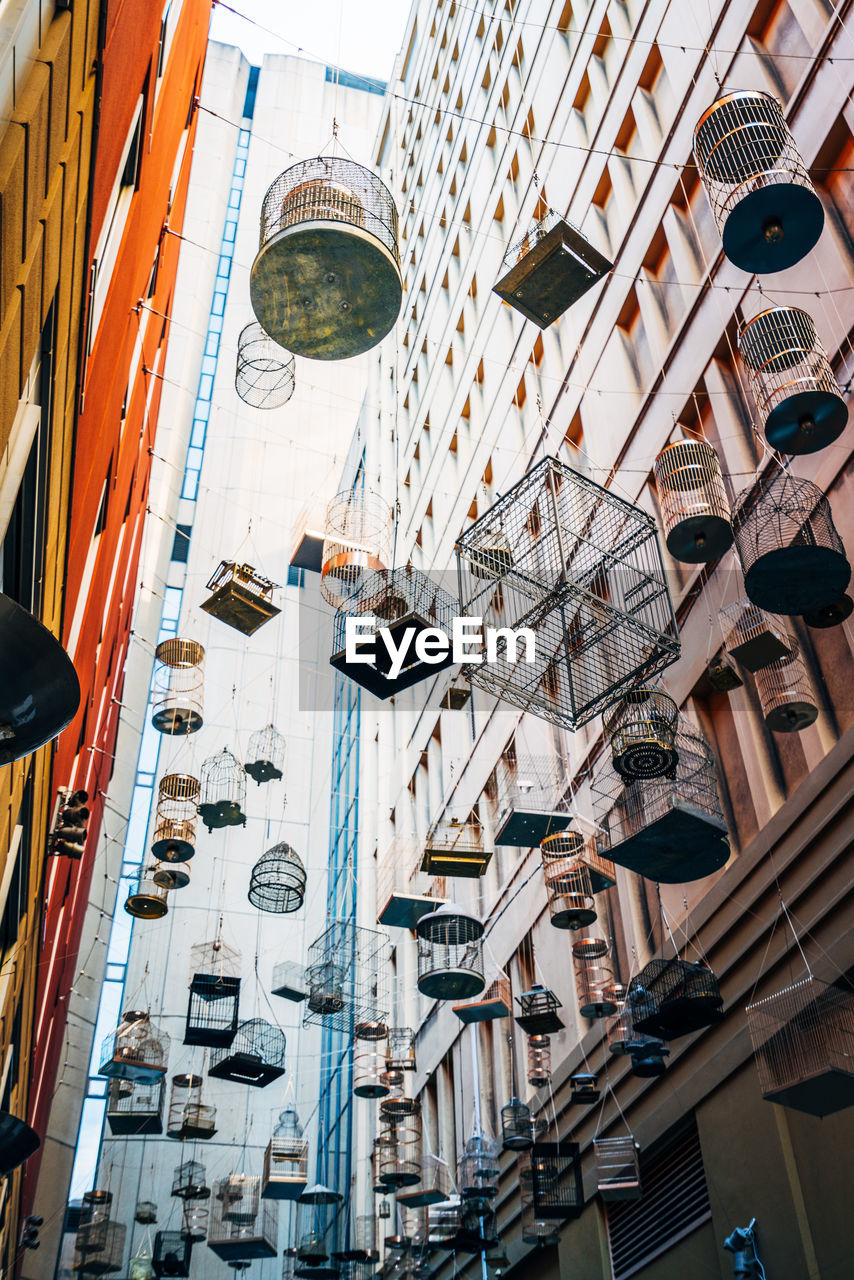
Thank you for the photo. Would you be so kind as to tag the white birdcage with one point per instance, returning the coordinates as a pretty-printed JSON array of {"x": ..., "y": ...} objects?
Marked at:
[
  {"x": 617, "y": 1168},
  {"x": 285, "y": 1160},
  {"x": 264, "y": 373}
]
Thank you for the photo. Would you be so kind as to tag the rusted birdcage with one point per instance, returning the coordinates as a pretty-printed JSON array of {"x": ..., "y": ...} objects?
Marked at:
[
  {"x": 265, "y": 759},
  {"x": 255, "y": 1056},
  {"x": 549, "y": 269},
  {"x": 264, "y": 373},
  {"x": 671, "y": 998},
  {"x": 175, "y": 826},
  {"x": 450, "y": 954},
  {"x": 766, "y": 208},
  {"x": 400, "y": 1154},
  {"x": 594, "y": 977},
  {"x": 584, "y": 596},
  {"x": 347, "y": 979},
  {"x": 135, "y": 1110},
  {"x": 617, "y": 1168},
  {"x": 786, "y": 694},
  {"x": 584, "y": 1089},
  {"x": 791, "y": 555},
  {"x": 285, "y": 1160},
  {"x": 531, "y": 802},
  {"x": 641, "y": 728},
  {"x": 356, "y": 543},
  {"x": 455, "y": 847},
  {"x": 792, "y": 382},
  {"x": 242, "y": 598},
  {"x": 369, "y": 1070},
  {"x": 177, "y": 697},
  {"x": 802, "y": 1040},
  {"x": 223, "y": 791},
  {"x": 137, "y": 1050},
  {"x": 538, "y": 1011},
  {"x": 189, "y": 1118},
  {"x": 495, "y": 1002},
  {"x": 173, "y": 1252},
  {"x": 569, "y": 888},
  {"x": 326, "y": 282},
  {"x": 517, "y": 1132},
  {"x": 479, "y": 1169},
  {"x": 148, "y": 898},
  {"x": 752, "y": 637},
  {"x": 434, "y": 1188},
  {"x": 242, "y": 1226},
  {"x": 277, "y": 882},
  {"x": 556, "y": 1180},
  {"x": 539, "y": 1061},
  {"x": 693, "y": 501},
  {"x": 214, "y": 997},
  {"x": 189, "y": 1182}
]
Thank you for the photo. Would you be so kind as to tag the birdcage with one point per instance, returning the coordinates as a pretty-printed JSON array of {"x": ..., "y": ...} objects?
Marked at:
[
  {"x": 356, "y": 543},
  {"x": 175, "y": 824},
  {"x": 583, "y": 1088},
  {"x": 516, "y": 1129},
  {"x": 538, "y": 1011},
  {"x": 403, "y": 890},
  {"x": 135, "y": 1110},
  {"x": 434, "y": 1188},
  {"x": 285, "y": 1160},
  {"x": 539, "y": 1061},
  {"x": 641, "y": 728},
  {"x": 277, "y": 883},
  {"x": 693, "y": 502},
  {"x": 398, "y": 1101},
  {"x": 495, "y": 1002},
  {"x": 395, "y": 608},
  {"x": 549, "y": 269},
  {"x": 173, "y": 1251},
  {"x": 792, "y": 382},
  {"x": 178, "y": 687},
  {"x": 450, "y": 954},
  {"x": 146, "y": 1213},
  {"x": 289, "y": 981},
  {"x": 369, "y": 1070},
  {"x": 617, "y": 1168},
  {"x": 358, "y": 1244},
  {"x": 831, "y": 615},
  {"x": 189, "y": 1118},
  {"x": 787, "y": 696},
  {"x": 752, "y": 637},
  {"x": 399, "y": 1156},
  {"x": 530, "y": 798},
  {"x": 585, "y": 601},
  {"x": 265, "y": 759},
  {"x": 556, "y": 1180},
  {"x": 137, "y": 1050},
  {"x": 569, "y": 888},
  {"x": 326, "y": 282},
  {"x": 194, "y": 1220},
  {"x": 347, "y": 979},
  {"x": 189, "y": 1181},
  {"x": 456, "y": 696},
  {"x": 671, "y": 998},
  {"x": 212, "y": 1011},
  {"x": 242, "y": 1226},
  {"x": 99, "y": 1247},
  {"x": 385, "y": 1138},
  {"x": 401, "y": 1049},
  {"x": 497, "y": 1259},
  {"x": 646, "y": 1052},
  {"x": 455, "y": 847},
  {"x": 594, "y": 977},
  {"x": 39, "y": 689},
  {"x": 170, "y": 875},
  {"x": 766, "y": 208},
  {"x": 648, "y": 1060},
  {"x": 223, "y": 791},
  {"x": 479, "y": 1169},
  {"x": 241, "y": 598},
  {"x": 256, "y": 1055},
  {"x": 147, "y": 899},
  {"x": 803, "y": 1041},
  {"x": 791, "y": 555},
  {"x": 264, "y": 373}
]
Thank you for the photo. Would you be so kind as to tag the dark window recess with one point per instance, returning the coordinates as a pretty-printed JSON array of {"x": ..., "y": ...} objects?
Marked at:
[
  {"x": 675, "y": 1202},
  {"x": 181, "y": 543},
  {"x": 251, "y": 93},
  {"x": 101, "y": 521},
  {"x": 161, "y": 51},
  {"x": 296, "y": 576},
  {"x": 130, "y": 173},
  {"x": 16, "y": 900}
]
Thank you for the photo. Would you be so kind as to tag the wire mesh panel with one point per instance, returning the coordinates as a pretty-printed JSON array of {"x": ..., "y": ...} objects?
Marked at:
[
  {"x": 189, "y": 1118},
  {"x": 326, "y": 282},
  {"x": 766, "y": 208},
  {"x": 594, "y": 977},
  {"x": 580, "y": 582},
  {"x": 264, "y": 374},
  {"x": 277, "y": 882},
  {"x": 531, "y": 802},
  {"x": 641, "y": 728},
  {"x": 787, "y": 696},
  {"x": 671, "y": 998},
  {"x": 135, "y": 1110},
  {"x": 265, "y": 759},
  {"x": 175, "y": 826},
  {"x": 791, "y": 379},
  {"x": 539, "y": 1061},
  {"x": 538, "y": 1011},
  {"x": 693, "y": 501},
  {"x": 456, "y": 847},
  {"x": 241, "y": 598},
  {"x": 137, "y": 1050},
  {"x": 556, "y": 1180},
  {"x": 177, "y": 697},
  {"x": 285, "y": 1160},
  {"x": 791, "y": 555},
  {"x": 803, "y": 1041},
  {"x": 212, "y": 1010},
  {"x": 569, "y": 887},
  {"x": 617, "y": 1168},
  {"x": 549, "y": 269},
  {"x": 256, "y": 1055},
  {"x": 450, "y": 954},
  {"x": 347, "y": 979},
  {"x": 357, "y": 543},
  {"x": 223, "y": 791},
  {"x": 242, "y": 1226}
]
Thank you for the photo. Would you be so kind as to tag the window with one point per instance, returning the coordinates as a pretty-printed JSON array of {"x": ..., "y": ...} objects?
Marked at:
[
  {"x": 296, "y": 576},
  {"x": 181, "y": 543}
]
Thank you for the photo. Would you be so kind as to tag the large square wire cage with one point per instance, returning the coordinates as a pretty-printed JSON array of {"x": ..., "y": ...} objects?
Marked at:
[
  {"x": 256, "y": 1055},
  {"x": 99, "y": 1247},
  {"x": 531, "y": 798},
  {"x": 242, "y": 1226},
  {"x": 538, "y": 1011},
  {"x": 671, "y": 998},
  {"x": 803, "y": 1041},
  {"x": 135, "y": 1110},
  {"x": 577, "y": 572},
  {"x": 617, "y": 1168},
  {"x": 556, "y": 1180},
  {"x": 347, "y": 980}
]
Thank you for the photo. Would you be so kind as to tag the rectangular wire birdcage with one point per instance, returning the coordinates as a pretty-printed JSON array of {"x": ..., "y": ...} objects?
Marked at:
[
  {"x": 617, "y": 1168},
  {"x": 495, "y": 1002},
  {"x": 347, "y": 978},
  {"x": 234, "y": 1236},
  {"x": 240, "y": 597},
  {"x": 574, "y": 574},
  {"x": 531, "y": 799},
  {"x": 403, "y": 890},
  {"x": 135, "y": 1109},
  {"x": 556, "y": 1180},
  {"x": 456, "y": 847}
]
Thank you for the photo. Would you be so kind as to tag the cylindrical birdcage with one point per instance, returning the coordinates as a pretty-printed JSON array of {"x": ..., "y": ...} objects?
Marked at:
[
  {"x": 265, "y": 759},
  {"x": 831, "y": 615},
  {"x": 646, "y": 1052},
  {"x": 326, "y": 983},
  {"x": 693, "y": 501},
  {"x": 766, "y": 208},
  {"x": 369, "y": 1070},
  {"x": 189, "y": 1181},
  {"x": 541, "y": 1231},
  {"x": 641, "y": 727},
  {"x": 326, "y": 282},
  {"x": 568, "y": 884},
  {"x": 147, "y": 899},
  {"x": 277, "y": 883},
  {"x": 194, "y": 1220},
  {"x": 177, "y": 808},
  {"x": 177, "y": 697},
  {"x": 594, "y": 978},
  {"x": 398, "y": 1102},
  {"x": 400, "y": 1154},
  {"x": 450, "y": 954},
  {"x": 791, "y": 555},
  {"x": 791, "y": 379},
  {"x": 146, "y": 1212},
  {"x": 223, "y": 791},
  {"x": 539, "y": 1061},
  {"x": 385, "y": 1138},
  {"x": 264, "y": 374},
  {"x": 356, "y": 542},
  {"x": 479, "y": 1169},
  {"x": 786, "y": 694},
  {"x": 171, "y": 875},
  {"x": 189, "y": 1118},
  {"x": 517, "y": 1132}
]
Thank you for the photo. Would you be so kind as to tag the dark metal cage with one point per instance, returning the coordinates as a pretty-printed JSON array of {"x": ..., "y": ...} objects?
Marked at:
[
  {"x": 516, "y": 1129},
  {"x": 175, "y": 826},
  {"x": 135, "y": 1110},
  {"x": 178, "y": 689},
  {"x": 556, "y": 1180},
  {"x": 479, "y": 1169},
  {"x": 803, "y": 1042},
  {"x": 580, "y": 581},
  {"x": 223, "y": 796},
  {"x": 450, "y": 954},
  {"x": 264, "y": 373},
  {"x": 347, "y": 980},
  {"x": 641, "y": 729},
  {"x": 189, "y": 1117},
  {"x": 538, "y": 1011},
  {"x": 786, "y": 692},
  {"x": 241, "y": 597},
  {"x": 671, "y": 998},
  {"x": 173, "y": 1251},
  {"x": 212, "y": 1010},
  {"x": 256, "y": 1055},
  {"x": 693, "y": 502},
  {"x": 265, "y": 759},
  {"x": 646, "y": 1052},
  {"x": 277, "y": 882},
  {"x": 617, "y": 1168},
  {"x": 99, "y": 1247},
  {"x": 189, "y": 1181},
  {"x": 548, "y": 269},
  {"x": 136, "y": 1051}
]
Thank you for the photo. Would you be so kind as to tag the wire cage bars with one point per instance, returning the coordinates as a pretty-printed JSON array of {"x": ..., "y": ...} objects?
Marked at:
[
  {"x": 357, "y": 542},
  {"x": 99, "y": 1247},
  {"x": 671, "y": 998},
  {"x": 171, "y": 875},
  {"x": 135, "y": 1110},
  {"x": 583, "y": 1088},
  {"x": 223, "y": 791},
  {"x": 539, "y": 1061},
  {"x": 495, "y": 1002},
  {"x": 580, "y": 584},
  {"x": 752, "y": 637},
  {"x": 194, "y": 1220},
  {"x": 538, "y": 1011},
  {"x": 434, "y": 1188},
  {"x": 594, "y": 977},
  {"x": 285, "y": 1174},
  {"x": 556, "y": 1180},
  {"x": 175, "y": 825},
  {"x": 791, "y": 555},
  {"x": 517, "y": 1132},
  {"x": 401, "y": 1049},
  {"x": 178, "y": 689},
  {"x": 265, "y": 759},
  {"x": 531, "y": 804},
  {"x": 369, "y": 1070},
  {"x": 264, "y": 372},
  {"x": 189, "y": 1118},
  {"x": 399, "y": 1154},
  {"x": 479, "y": 1169},
  {"x": 172, "y": 1253},
  {"x": 137, "y": 1050},
  {"x": 189, "y": 1181},
  {"x": 277, "y": 882},
  {"x": 148, "y": 898},
  {"x": 212, "y": 1010},
  {"x": 766, "y": 208},
  {"x": 549, "y": 269},
  {"x": 791, "y": 379},
  {"x": 256, "y": 1055},
  {"x": 787, "y": 696},
  {"x": 346, "y": 978},
  {"x": 289, "y": 981},
  {"x": 569, "y": 886},
  {"x": 242, "y": 1226},
  {"x": 146, "y": 1212},
  {"x": 641, "y": 728},
  {"x": 326, "y": 282},
  {"x": 803, "y": 1042},
  {"x": 241, "y": 598},
  {"x": 456, "y": 847},
  {"x": 693, "y": 502},
  {"x": 398, "y": 1100},
  {"x": 450, "y": 954},
  {"x": 617, "y": 1168}
]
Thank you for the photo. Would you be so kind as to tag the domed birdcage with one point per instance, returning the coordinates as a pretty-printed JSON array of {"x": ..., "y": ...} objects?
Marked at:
[
  {"x": 671, "y": 998},
  {"x": 752, "y": 637},
  {"x": 830, "y": 615},
  {"x": 189, "y": 1118},
  {"x": 369, "y": 1070},
  {"x": 39, "y": 688},
  {"x": 569, "y": 887},
  {"x": 539, "y": 1061},
  {"x": 516, "y": 1130},
  {"x": 223, "y": 791},
  {"x": 583, "y": 1088},
  {"x": 766, "y": 208},
  {"x": 792, "y": 382},
  {"x": 256, "y": 1055},
  {"x": 189, "y": 1181},
  {"x": 175, "y": 826},
  {"x": 148, "y": 899},
  {"x": 277, "y": 883},
  {"x": 641, "y": 728},
  {"x": 617, "y": 1168},
  {"x": 264, "y": 374},
  {"x": 594, "y": 977},
  {"x": 286, "y": 1160},
  {"x": 694, "y": 505},
  {"x": 791, "y": 555},
  {"x": 178, "y": 687},
  {"x": 137, "y": 1050},
  {"x": 450, "y": 954},
  {"x": 356, "y": 542},
  {"x": 265, "y": 759},
  {"x": 787, "y": 696},
  {"x": 479, "y": 1169},
  {"x": 326, "y": 282}
]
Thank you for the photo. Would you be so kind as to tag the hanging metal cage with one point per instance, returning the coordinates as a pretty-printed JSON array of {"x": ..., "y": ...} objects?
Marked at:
[
  {"x": 214, "y": 958},
  {"x": 212, "y": 1010},
  {"x": 285, "y": 1160},
  {"x": 399, "y": 1156},
  {"x": 479, "y": 1169},
  {"x": 455, "y": 847},
  {"x": 265, "y": 759},
  {"x": 326, "y": 282},
  {"x": 172, "y": 1253},
  {"x": 787, "y": 696},
  {"x": 556, "y": 1180},
  {"x": 359, "y": 1243},
  {"x": 189, "y": 1118},
  {"x": 495, "y": 1002},
  {"x": 135, "y": 1110},
  {"x": 278, "y": 879},
  {"x": 148, "y": 898},
  {"x": 450, "y": 954},
  {"x": 752, "y": 637},
  {"x": 241, "y": 597},
  {"x": 617, "y": 1168},
  {"x": 137, "y": 1050},
  {"x": 538, "y": 1011},
  {"x": 798, "y": 397},
  {"x": 584, "y": 1089},
  {"x": 178, "y": 687},
  {"x": 401, "y": 1049},
  {"x": 175, "y": 826},
  {"x": 398, "y": 1100},
  {"x": 594, "y": 977},
  {"x": 242, "y": 1226},
  {"x": 99, "y": 1247},
  {"x": 641, "y": 728},
  {"x": 539, "y": 1061},
  {"x": 646, "y": 1052},
  {"x": 693, "y": 501},
  {"x": 549, "y": 269},
  {"x": 569, "y": 888},
  {"x": 434, "y": 1188},
  {"x": 585, "y": 594},
  {"x": 369, "y": 1070},
  {"x": 189, "y": 1181},
  {"x": 146, "y": 1212},
  {"x": 356, "y": 543},
  {"x": 530, "y": 791},
  {"x": 791, "y": 555},
  {"x": 766, "y": 208},
  {"x": 256, "y": 1055},
  {"x": 289, "y": 981},
  {"x": 194, "y": 1220},
  {"x": 671, "y": 998},
  {"x": 347, "y": 980},
  {"x": 171, "y": 875},
  {"x": 223, "y": 791},
  {"x": 516, "y": 1129},
  {"x": 264, "y": 373}
]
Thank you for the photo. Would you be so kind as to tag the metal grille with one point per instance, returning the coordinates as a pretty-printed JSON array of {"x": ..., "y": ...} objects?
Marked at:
[
  {"x": 178, "y": 689},
  {"x": 264, "y": 376},
  {"x": 693, "y": 501},
  {"x": 347, "y": 976},
  {"x": 803, "y": 1039},
  {"x": 581, "y": 570},
  {"x": 786, "y": 694},
  {"x": 535, "y": 233},
  {"x": 357, "y": 539},
  {"x": 278, "y": 880}
]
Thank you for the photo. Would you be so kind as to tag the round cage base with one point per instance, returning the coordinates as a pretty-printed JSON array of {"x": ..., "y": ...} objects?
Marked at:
[
  {"x": 649, "y": 1068},
  {"x": 176, "y": 720},
  {"x": 146, "y": 906},
  {"x": 518, "y": 1142},
  {"x": 375, "y": 1030},
  {"x": 797, "y": 579},
  {"x": 371, "y": 1089},
  {"x": 325, "y": 291},
  {"x": 791, "y": 717},
  {"x": 774, "y": 227},
  {"x": 173, "y": 850},
  {"x": 222, "y": 813},
  {"x": 570, "y": 911},
  {"x": 832, "y": 615},
  {"x": 263, "y": 771},
  {"x": 451, "y": 984},
  {"x": 646, "y": 758},
  {"x": 806, "y": 421},
  {"x": 176, "y": 877},
  {"x": 400, "y": 1178},
  {"x": 597, "y": 1007},
  {"x": 397, "y": 1108},
  {"x": 698, "y": 539}
]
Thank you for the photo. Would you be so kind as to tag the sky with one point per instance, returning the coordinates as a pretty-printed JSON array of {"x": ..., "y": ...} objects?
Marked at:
[{"x": 358, "y": 35}]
